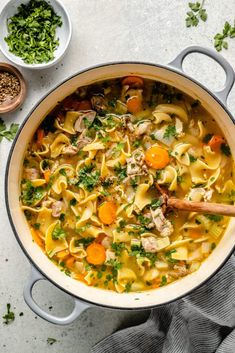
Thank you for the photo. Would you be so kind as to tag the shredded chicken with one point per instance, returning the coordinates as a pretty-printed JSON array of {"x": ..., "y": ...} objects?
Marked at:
[
  {"x": 89, "y": 115},
  {"x": 54, "y": 166},
  {"x": 98, "y": 102},
  {"x": 135, "y": 164},
  {"x": 110, "y": 255},
  {"x": 57, "y": 208},
  {"x": 162, "y": 224},
  {"x": 149, "y": 244},
  {"x": 199, "y": 194},
  {"x": 70, "y": 150},
  {"x": 83, "y": 140},
  {"x": 106, "y": 242},
  {"x": 179, "y": 271},
  {"x": 127, "y": 122},
  {"x": 46, "y": 203},
  {"x": 31, "y": 173},
  {"x": 142, "y": 128}
]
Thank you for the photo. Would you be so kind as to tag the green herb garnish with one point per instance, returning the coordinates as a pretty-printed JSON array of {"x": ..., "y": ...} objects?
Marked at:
[
  {"x": 214, "y": 217},
  {"x": 170, "y": 132},
  {"x": 83, "y": 241},
  {"x": 225, "y": 149},
  {"x": 73, "y": 202},
  {"x": 58, "y": 233},
  {"x": 118, "y": 248},
  {"x": 197, "y": 12},
  {"x": 8, "y": 134},
  {"x": 88, "y": 178},
  {"x": 32, "y": 32},
  {"x": 120, "y": 171},
  {"x": 9, "y": 316},
  {"x": 31, "y": 194},
  {"x": 219, "y": 38},
  {"x": 163, "y": 281},
  {"x": 207, "y": 138},
  {"x": 192, "y": 158}
]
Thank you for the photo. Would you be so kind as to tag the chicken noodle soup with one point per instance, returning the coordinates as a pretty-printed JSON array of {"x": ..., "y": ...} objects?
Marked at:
[{"x": 94, "y": 172}]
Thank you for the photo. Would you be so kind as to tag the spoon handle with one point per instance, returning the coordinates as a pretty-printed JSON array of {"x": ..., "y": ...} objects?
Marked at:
[{"x": 202, "y": 207}]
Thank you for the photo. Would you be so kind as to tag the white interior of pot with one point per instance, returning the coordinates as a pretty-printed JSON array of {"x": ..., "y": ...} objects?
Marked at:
[{"x": 76, "y": 288}]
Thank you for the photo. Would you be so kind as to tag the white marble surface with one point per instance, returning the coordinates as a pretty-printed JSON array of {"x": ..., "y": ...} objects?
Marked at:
[{"x": 103, "y": 30}]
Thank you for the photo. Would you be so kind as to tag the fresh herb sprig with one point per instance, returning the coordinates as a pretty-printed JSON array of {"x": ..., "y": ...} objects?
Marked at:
[
  {"x": 8, "y": 134},
  {"x": 219, "y": 39},
  {"x": 196, "y": 14}
]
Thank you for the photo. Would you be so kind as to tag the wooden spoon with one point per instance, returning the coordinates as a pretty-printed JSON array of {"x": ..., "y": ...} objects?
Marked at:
[
  {"x": 201, "y": 207},
  {"x": 192, "y": 206}
]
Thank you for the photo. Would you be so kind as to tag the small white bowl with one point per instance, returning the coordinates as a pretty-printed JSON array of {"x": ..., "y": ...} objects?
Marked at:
[{"x": 63, "y": 33}]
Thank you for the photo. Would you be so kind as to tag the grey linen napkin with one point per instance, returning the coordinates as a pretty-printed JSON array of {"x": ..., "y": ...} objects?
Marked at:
[{"x": 202, "y": 322}]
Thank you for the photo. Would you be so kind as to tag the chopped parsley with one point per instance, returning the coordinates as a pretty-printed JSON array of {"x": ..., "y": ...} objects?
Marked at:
[
  {"x": 32, "y": 32},
  {"x": 192, "y": 158},
  {"x": 62, "y": 217},
  {"x": 155, "y": 203},
  {"x": 170, "y": 132},
  {"x": 63, "y": 172},
  {"x": 88, "y": 178},
  {"x": 73, "y": 202},
  {"x": 128, "y": 287},
  {"x": 213, "y": 246},
  {"x": 83, "y": 241},
  {"x": 225, "y": 149},
  {"x": 31, "y": 194},
  {"x": 118, "y": 248},
  {"x": 163, "y": 281},
  {"x": 36, "y": 225},
  {"x": 214, "y": 217},
  {"x": 136, "y": 143},
  {"x": 58, "y": 233},
  {"x": 169, "y": 258},
  {"x": 207, "y": 138},
  {"x": 121, "y": 225},
  {"x": 121, "y": 172},
  {"x": 9, "y": 316},
  {"x": 139, "y": 251}
]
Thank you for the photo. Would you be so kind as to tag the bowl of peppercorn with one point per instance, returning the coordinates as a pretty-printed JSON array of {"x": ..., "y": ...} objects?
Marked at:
[
  {"x": 34, "y": 34},
  {"x": 12, "y": 88}
]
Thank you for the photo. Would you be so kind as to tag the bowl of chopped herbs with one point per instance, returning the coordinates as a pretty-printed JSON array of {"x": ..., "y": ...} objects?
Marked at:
[{"x": 34, "y": 34}]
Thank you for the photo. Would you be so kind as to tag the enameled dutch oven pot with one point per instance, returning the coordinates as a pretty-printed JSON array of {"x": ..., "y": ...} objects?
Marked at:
[{"x": 42, "y": 267}]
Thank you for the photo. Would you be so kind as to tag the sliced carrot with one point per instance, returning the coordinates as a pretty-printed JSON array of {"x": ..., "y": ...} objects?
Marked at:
[
  {"x": 79, "y": 277},
  {"x": 70, "y": 262},
  {"x": 47, "y": 175},
  {"x": 107, "y": 212},
  {"x": 195, "y": 233},
  {"x": 134, "y": 104},
  {"x": 157, "y": 157},
  {"x": 36, "y": 237},
  {"x": 100, "y": 238},
  {"x": 62, "y": 254},
  {"x": 84, "y": 105},
  {"x": 40, "y": 136},
  {"x": 133, "y": 81},
  {"x": 95, "y": 254},
  {"x": 216, "y": 142}
]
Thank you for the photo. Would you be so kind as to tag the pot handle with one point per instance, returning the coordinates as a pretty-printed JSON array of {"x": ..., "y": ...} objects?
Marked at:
[
  {"x": 230, "y": 75},
  {"x": 79, "y": 306}
]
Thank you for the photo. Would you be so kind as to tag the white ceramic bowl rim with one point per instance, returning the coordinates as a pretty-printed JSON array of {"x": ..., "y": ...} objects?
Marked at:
[
  {"x": 68, "y": 30},
  {"x": 166, "y": 67}
]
